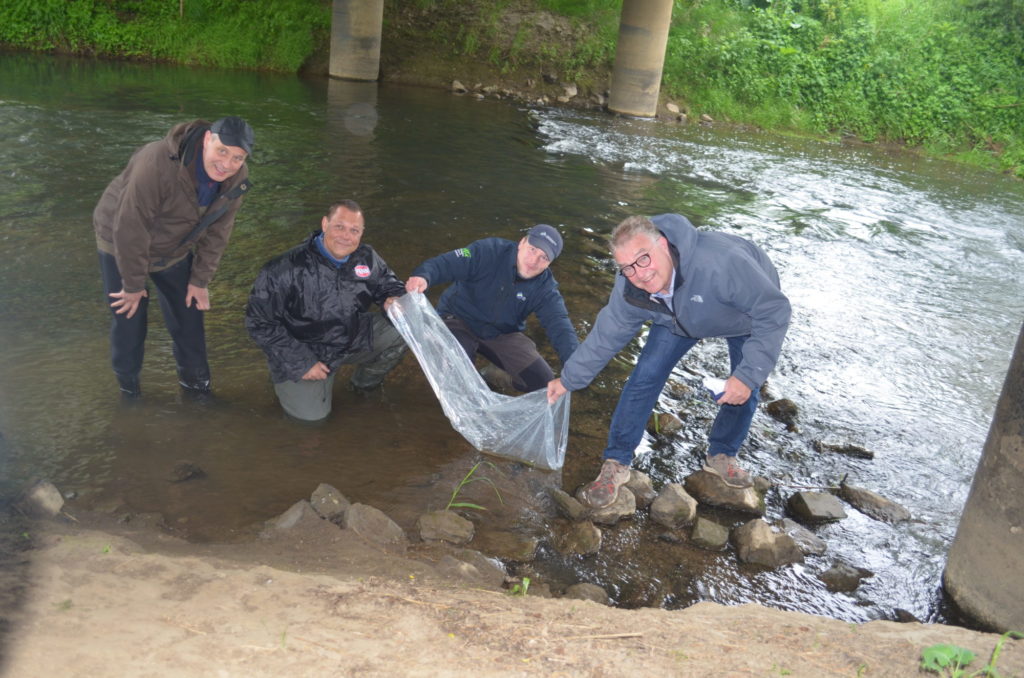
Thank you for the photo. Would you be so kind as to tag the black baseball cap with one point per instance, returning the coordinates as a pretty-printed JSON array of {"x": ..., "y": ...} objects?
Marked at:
[
  {"x": 233, "y": 131},
  {"x": 546, "y": 239}
]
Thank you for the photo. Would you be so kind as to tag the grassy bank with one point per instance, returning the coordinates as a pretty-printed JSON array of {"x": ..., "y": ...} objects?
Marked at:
[{"x": 945, "y": 76}]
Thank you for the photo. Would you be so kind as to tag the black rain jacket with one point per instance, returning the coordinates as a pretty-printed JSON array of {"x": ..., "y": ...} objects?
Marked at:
[{"x": 303, "y": 310}]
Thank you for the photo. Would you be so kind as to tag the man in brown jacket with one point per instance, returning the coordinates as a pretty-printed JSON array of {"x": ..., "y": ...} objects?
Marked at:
[{"x": 168, "y": 217}]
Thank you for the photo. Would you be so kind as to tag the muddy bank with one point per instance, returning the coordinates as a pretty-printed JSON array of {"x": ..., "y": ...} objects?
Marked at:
[{"x": 95, "y": 597}]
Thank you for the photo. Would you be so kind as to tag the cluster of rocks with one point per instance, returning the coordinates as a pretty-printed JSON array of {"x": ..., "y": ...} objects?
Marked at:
[{"x": 566, "y": 94}]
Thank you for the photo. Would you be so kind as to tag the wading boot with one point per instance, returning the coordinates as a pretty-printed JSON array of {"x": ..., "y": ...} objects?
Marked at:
[
  {"x": 195, "y": 383},
  {"x": 130, "y": 387}
]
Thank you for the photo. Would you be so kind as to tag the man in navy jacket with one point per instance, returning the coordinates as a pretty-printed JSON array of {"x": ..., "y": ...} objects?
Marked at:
[
  {"x": 496, "y": 285},
  {"x": 689, "y": 285}
]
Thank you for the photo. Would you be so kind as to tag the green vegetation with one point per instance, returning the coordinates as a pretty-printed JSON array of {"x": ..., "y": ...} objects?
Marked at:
[
  {"x": 270, "y": 34},
  {"x": 946, "y": 76},
  {"x": 952, "y": 660},
  {"x": 471, "y": 477},
  {"x": 520, "y": 588}
]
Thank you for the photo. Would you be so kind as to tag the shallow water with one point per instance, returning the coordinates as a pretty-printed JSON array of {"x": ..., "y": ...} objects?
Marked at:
[{"x": 905, "y": 277}]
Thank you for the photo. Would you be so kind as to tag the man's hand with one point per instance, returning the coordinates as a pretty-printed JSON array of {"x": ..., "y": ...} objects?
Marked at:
[
  {"x": 736, "y": 392},
  {"x": 200, "y": 295},
  {"x": 317, "y": 372},
  {"x": 388, "y": 302},
  {"x": 416, "y": 284},
  {"x": 555, "y": 391},
  {"x": 127, "y": 302}
]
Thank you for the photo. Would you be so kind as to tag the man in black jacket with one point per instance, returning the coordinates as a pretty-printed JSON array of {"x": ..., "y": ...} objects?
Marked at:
[{"x": 308, "y": 311}]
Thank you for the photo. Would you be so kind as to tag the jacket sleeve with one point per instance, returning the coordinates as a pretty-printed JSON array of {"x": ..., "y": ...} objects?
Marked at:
[
  {"x": 554, "y": 318},
  {"x": 616, "y": 324},
  {"x": 750, "y": 290},
  {"x": 211, "y": 245},
  {"x": 387, "y": 283},
  {"x": 289, "y": 358},
  {"x": 138, "y": 207},
  {"x": 458, "y": 264}
]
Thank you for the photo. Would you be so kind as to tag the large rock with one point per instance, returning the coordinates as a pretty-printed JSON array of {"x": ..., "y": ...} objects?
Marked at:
[
  {"x": 711, "y": 490},
  {"x": 567, "y": 505},
  {"x": 490, "y": 569},
  {"x": 663, "y": 424},
  {"x": 300, "y": 512},
  {"x": 507, "y": 545},
  {"x": 673, "y": 507},
  {"x": 873, "y": 504},
  {"x": 843, "y": 577},
  {"x": 849, "y": 449},
  {"x": 709, "y": 535},
  {"x": 642, "y": 488},
  {"x": 445, "y": 526},
  {"x": 329, "y": 503},
  {"x": 810, "y": 543},
  {"x": 41, "y": 500},
  {"x": 373, "y": 525},
  {"x": 757, "y": 542},
  {"x": 783, "y": 410},
  {"x": 815, "y": 507},
  {"x": 586, "y": 591},
  {"x": 582, "y": 538}
]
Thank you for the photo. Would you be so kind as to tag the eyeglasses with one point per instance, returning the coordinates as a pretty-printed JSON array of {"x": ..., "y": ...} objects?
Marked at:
[{"x": 643, "y": 261}]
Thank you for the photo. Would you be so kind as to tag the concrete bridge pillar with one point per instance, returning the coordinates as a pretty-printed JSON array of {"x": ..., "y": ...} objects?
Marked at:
[
  {"x": 983, "y": 569},
  {"x": 355, "y": 39},
  {"x": 640, "y": 57}
]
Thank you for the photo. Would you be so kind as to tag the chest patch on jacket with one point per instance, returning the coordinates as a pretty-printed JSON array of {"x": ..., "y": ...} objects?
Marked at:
[
  {"x": 520, "y": 296},
  {"x": 362, "y": 271}
]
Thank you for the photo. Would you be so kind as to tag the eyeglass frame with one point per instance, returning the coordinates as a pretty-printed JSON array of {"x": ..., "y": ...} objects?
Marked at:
[{"x": 635, "y": 265}]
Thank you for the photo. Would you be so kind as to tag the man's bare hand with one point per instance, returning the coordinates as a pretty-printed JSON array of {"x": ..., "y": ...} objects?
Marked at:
[
  {"x": 200, "y": 295},
  {"x": 736, "y": 392},
  {"x": 555, "y": 390},
  {"x": 127, "y": 303},
  {"x": 416, "y": 284},
  {"x": 317, "y": 372}
]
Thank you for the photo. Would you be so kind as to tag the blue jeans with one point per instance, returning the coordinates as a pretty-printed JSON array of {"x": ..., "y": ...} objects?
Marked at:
[{"x": 660, "y": 354}]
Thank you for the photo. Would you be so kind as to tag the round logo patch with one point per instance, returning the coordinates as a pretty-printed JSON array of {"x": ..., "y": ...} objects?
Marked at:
[{"x": 362, "y": 271}]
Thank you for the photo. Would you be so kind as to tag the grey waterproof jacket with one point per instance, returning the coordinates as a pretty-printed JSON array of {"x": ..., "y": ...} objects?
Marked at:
[{"x": 725, "y": 287}]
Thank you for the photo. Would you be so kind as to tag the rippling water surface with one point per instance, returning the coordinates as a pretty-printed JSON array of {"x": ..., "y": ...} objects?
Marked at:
[{"x": 905, "y": 276}]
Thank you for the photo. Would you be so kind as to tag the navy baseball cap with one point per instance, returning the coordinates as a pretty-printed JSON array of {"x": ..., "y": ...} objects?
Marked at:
[
  {"x": 546, "y": 239},
  {"x": 233, "y": 131}
]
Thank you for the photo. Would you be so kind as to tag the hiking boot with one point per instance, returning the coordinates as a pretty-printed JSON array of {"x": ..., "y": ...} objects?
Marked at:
[
  {"x": 605, "y": 489},
  {"x": 726, "y": 468},
  {"x": 130, "y": 388}
]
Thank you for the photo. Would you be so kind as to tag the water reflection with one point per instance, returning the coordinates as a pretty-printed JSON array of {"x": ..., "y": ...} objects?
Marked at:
[{"x": 905, "y": 277}]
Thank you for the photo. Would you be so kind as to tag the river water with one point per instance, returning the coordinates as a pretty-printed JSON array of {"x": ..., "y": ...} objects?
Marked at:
[{"x": 905, "y": 277}]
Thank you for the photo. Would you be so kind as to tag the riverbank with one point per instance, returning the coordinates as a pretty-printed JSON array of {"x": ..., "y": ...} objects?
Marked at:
[{"x": 95, "y": 595}]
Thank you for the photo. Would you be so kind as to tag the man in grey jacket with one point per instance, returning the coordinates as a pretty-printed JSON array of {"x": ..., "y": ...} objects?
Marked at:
[{"x": 689, "y": 285}]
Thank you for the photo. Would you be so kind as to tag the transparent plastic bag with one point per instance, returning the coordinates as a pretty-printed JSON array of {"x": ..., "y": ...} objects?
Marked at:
[{"x": 524, "y": 428}]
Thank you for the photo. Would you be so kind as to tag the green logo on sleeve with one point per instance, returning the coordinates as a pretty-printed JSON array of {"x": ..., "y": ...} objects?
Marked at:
[{"x": 463, "y": 252}]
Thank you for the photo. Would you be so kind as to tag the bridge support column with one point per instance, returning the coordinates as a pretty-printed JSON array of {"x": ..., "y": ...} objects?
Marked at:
[
  {"x": 983, "y": 568},
  {"x": 355, "y": 39},
  {"x": 640, "y": 57}
]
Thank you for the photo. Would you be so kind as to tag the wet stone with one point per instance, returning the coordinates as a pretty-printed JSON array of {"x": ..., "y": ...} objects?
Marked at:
[
  {"x": 299, "y": 512},
  {"x": 373, "y": 525},
  {"x": 709, "y": 535},
  {"x": 567, "y": 505},
  {"x": 41, "y": 500},
  {"x": 444, "y": 526},
  {"x": 185, "y": 470},
  {"x": 673, "y": 507},
  {"x": 842, "y": 577},
  {"x": 450, "y": 566},
  {"x": 587, "y": 591},
  {"x": 873, "y": 504},
  {"x": 756, "y": 542},
  {"x": 810, "y": 543},
  {"x": 582, "y": 538},
  {"x": 506, "y": 545},
  {"x": 642, "y": 488},
  {"x": 836, "y": 447},
  {"x": 663, "y": 424},
  {"x": 708, "y": 488},
  {"x": 784, "y": 410},
  {"x": 491, "y": 570},
  {"x": 815, "y": 507},
  {"x": 329, "y": 503}
]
